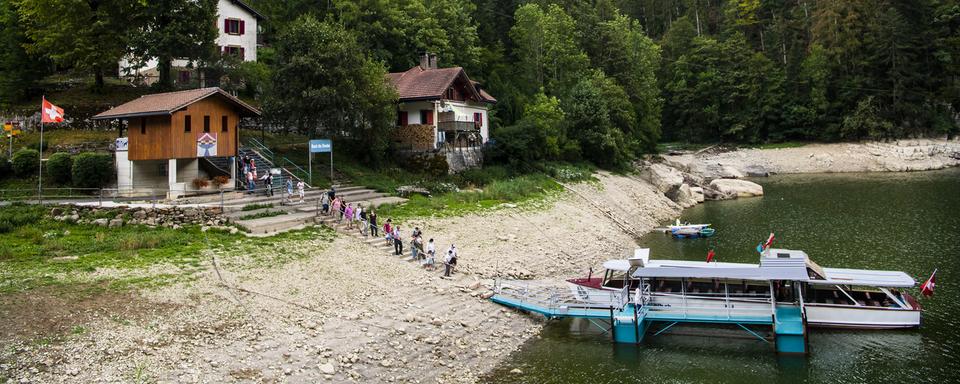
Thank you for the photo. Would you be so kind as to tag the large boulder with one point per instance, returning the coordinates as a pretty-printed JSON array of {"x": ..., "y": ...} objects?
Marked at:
[
  {"x": 728, "y": 172},
  {"x": 697, "y": 193},
  {"x": 682, "y": 195},
  {"x": 737, "y": 187},
  {"x": 756, "y": 171},
  {"x": 664, "y": 178}
]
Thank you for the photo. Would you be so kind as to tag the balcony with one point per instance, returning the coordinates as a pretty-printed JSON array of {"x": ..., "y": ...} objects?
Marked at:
[{"x": 458, "y": 126}]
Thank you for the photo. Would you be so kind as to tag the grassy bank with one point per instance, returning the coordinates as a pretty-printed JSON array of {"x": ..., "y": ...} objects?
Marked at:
[
  {"x": 38, "y": 252},
  {"x": 450, "y": 195}
]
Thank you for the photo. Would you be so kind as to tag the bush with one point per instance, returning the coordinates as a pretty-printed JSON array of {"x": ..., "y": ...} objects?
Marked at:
[
  {"x": 5, "y": 167},
  {"x": 478, "y": 177},
  {"x": 25, "y": 162},
  {"x": 18, "y": 216},
  {"x": 60, "y": 167},
  {"x": 36, "y": 146},
  {"x": 200, "y": 183},
  {"x": 92, "y": 170},
  {"x": 219, "y": 181}
]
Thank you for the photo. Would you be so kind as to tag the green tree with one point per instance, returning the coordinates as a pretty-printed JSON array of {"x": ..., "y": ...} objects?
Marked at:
[
  {"x": 593, "y": 115},
  {"x": 18, "y": 70},
  {"x": 324, "y": 83},
  {"x": 89, "y": 36},
  {"x": 546, "y": 48},
  {"x": 175, "y": 29}
]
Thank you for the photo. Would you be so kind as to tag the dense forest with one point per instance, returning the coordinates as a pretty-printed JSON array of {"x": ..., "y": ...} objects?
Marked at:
[{"x": 601, "y": 80}]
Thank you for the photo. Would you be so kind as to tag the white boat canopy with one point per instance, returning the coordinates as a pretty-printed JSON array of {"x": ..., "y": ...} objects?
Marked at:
[
  {"x": 737, "y": 273},
  {"x": 617, "y": 265},
  {"x": 895, "y": 279}
]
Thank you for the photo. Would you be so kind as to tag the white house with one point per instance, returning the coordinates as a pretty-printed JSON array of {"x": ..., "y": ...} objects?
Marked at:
[
  {"x": 442, "y": 98},
  {"x": 238, "y": 26}
]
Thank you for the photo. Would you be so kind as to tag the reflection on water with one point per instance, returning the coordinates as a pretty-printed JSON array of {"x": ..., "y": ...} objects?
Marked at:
[{"x": 906, "y": 221}]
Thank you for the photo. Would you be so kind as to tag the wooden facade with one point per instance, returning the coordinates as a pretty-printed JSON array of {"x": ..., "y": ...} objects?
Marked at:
[{"x": 166, "y": 136}]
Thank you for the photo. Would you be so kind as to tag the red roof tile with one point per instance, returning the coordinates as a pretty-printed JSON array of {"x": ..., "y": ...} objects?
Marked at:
[
  {"x": 428, "y": 84},
  {"x": 169, "y": 102}
]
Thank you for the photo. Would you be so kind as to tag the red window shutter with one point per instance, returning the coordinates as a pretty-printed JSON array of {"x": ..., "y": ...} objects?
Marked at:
[
  {"x": 403, "y": 118},
  {"x": 242, "y": 26},
  {"x": 241, "y": 53},
  {"x": 226, "y": 26},
  {"x": 429, "y": 117}
]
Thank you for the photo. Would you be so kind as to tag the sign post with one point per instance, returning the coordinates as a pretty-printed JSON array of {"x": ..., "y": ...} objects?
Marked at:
[{"x": 320, "y": 146}]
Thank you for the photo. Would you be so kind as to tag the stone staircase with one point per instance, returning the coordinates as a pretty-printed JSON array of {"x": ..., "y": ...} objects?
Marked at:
[
  {"x": 287, "y": 212},
  {"x": 380, "y": 244}
]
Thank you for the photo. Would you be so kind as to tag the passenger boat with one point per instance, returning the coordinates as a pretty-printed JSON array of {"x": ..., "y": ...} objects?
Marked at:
[
  {"x": 688, "y": 230},
  {"x": 826, "y": 297}
]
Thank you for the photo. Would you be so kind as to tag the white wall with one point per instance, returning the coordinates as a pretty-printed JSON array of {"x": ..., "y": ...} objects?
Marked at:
[
  {"x": 124, "y": 171},
  {"x": 413, "y": 111},
  {"x": 465, "y": 111},
  {"x": 226, "y": 9},
  {"x": 145, "y": 174}
]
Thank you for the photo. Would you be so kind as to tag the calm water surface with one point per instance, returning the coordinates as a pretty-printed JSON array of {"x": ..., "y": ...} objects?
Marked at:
[{"x": 907, "y": 221}]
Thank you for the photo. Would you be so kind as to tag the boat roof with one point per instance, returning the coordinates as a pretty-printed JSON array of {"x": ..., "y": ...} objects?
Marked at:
[
  {"x": 621, "y": 265},
  {"x": 775, "y": 264}
]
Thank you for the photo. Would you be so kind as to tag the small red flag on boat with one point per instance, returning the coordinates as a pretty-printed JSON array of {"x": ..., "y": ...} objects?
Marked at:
[
  {"x": 710, "y": 256},
  {"x": 50, "y": 113},
  {"x": 769, "y": 241},
  {"x": 927, "y": 288}
]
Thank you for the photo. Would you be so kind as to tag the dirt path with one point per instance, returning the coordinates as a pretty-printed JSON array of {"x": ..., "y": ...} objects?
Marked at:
[{"x": 350, "y": 312}]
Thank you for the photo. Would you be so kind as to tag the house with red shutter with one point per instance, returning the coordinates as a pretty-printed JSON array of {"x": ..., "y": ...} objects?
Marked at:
[
  {"x": 440, "y": 108},
  {"x": 237, "y": 23}
]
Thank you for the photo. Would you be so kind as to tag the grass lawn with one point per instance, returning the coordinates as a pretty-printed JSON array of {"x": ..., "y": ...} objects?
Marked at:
[{"x": 38, "y": 252}]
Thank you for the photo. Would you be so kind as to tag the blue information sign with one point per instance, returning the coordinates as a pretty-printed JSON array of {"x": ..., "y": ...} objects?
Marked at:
[{"x": 321, "y": 146}]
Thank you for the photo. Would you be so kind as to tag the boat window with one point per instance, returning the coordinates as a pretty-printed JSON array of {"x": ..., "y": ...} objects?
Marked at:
[{"x": 783, "y": 255}]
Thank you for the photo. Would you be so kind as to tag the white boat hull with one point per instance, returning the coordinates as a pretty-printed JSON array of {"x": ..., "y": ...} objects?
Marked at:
[{"x": 860, "y": 317}]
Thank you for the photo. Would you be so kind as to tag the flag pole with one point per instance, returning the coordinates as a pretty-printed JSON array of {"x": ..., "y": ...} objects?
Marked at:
[{"x": 40, "y": 174}]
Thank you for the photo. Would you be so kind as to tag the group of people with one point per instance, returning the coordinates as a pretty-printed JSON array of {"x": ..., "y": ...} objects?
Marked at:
[
  {"x": 365, "y": 220},
  {"x": 249, "y": 165}
]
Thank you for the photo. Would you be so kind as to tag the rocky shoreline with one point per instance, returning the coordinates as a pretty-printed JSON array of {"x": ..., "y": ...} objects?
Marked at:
[{"x": 342, "y": 312}]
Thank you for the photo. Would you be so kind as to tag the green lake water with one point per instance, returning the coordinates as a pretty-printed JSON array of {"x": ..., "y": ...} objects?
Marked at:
[{"x": 898, "y": 221}]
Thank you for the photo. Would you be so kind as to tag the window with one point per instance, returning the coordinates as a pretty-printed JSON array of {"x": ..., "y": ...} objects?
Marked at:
[
  {"x": 184, "y": 76},
  {"x": 206, "y": 123},
  {"x": 223, "y": 123},
  {"x": 186, "y": 123},
  {"x": 426, "y": 116},
  {"x": 478, "y": 118},
  {"x": 143, "y": 125},
  {"x": 402, "y": 118},
  {"x": 233, "y": 26},
  {"x": 234, "y": 50}
]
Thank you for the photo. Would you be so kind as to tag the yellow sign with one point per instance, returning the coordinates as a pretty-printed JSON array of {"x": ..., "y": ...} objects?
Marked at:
[
  {"x": 8, "y": 127},
  {"x": 15, "y": 132}
]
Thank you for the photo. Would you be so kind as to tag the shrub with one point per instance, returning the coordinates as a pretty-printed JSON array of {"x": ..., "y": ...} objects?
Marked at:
[
  {"x": 220, "y": 181},
  {"x": 25, "y": 162},
  {"x": 18, "y": 216},
  {"x": 5, "y": 167},
  {"x": 60, "y": 167},
  {"x": 200, "y": 183},
  {"x": 479, "y": 177},
  {"x": 36, "y": 146},
  {"x": 92, "y": 170}
]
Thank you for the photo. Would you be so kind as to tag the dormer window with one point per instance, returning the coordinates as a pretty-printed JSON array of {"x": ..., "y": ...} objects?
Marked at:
[{"x": 233, "y": 26}]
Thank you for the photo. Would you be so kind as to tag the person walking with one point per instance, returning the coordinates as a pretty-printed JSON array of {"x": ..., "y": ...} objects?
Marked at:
[
  {"x": 397, "y": 241},
  {"x": 363, "y": 220},
  {"x": 450, "y": 261},
  {"x": 335, "y": 208},
  {"x": 415, "y": 247},
  {"x": 343, "y": 209},
  {"x": 267, "y": 179},
  {"x": 289, "y": 189},
  {"x": 300, "y": 186},
  {"x": 372, "y": 217},
  {"x": 325, "y": 203},
  {"x": 348, "y": 214},
  {"x": 430, "y": 262},
  {"x": 388, "y": 231},
  {"x": 251, "y": 176}
]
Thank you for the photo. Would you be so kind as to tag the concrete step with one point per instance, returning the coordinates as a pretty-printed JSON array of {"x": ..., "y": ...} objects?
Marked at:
[
  {"x": 276, "y": 224},
  {"x": 236, "y": 215}
]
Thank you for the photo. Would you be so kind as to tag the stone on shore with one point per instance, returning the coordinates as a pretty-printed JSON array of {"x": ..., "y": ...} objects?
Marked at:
[
  {"x": 697, "y": 193},
  {"x": 737, "y": 187},
  {"x": 663, "y": 177}
]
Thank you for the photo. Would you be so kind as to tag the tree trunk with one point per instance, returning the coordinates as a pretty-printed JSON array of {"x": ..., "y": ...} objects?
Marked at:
[
  {"x": 98, "y": 79},
  {"x": 164, "y": 67}
]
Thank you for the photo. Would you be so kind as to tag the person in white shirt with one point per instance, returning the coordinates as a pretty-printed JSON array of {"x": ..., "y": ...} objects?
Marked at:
[
  {"x": 430, "y": 262},
  {"x": 450, "y": 261},
  {"x": 300, "y": 191}
]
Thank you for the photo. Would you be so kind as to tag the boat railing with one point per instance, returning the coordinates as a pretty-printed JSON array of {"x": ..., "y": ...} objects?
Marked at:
[
  {"x": 723, "y": 305},
  {"x": 557, "y": 298}
]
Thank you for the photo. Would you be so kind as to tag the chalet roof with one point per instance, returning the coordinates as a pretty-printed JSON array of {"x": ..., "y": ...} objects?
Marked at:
[
  {"x": 170, "y": 102},
  {"x": 430, "y": 84},
  {"x": 250, "y": 9}
]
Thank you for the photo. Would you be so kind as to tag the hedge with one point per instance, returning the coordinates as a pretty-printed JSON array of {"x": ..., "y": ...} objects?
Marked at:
[
  {"x": 60, "y": 167},
  {"x": 5, "y": 167},
  {"x": 26, "y": 162},
  {"x": 92, "y": 170}
]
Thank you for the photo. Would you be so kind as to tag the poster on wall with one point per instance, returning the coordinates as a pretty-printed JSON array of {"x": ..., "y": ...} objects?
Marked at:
[{"x": 207, "y": 145}]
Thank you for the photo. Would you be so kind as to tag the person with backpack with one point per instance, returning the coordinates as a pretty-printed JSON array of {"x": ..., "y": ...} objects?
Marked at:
[
  {"x": 388, "y": 231},
  {"x": 450, "y": 261},
  {"x": 374, "y": 231},
  {"x": 362, "y": 219}
]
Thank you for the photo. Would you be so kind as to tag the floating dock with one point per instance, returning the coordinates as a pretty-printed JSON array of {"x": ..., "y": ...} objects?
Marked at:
[{"x": 631, "y": 316}]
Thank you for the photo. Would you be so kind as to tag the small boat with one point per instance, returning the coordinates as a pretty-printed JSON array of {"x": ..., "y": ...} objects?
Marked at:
[
  {"x": 688, "y": 230},
  {"x": 824, "y": 297}
]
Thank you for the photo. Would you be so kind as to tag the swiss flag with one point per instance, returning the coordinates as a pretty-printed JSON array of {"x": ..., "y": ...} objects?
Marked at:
[
  {"x": 50, "y": 113},
  {"x": 769, "y": 242},
  {"x": 710, "y": 256},
  {"x": 927, "y": 288}
]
